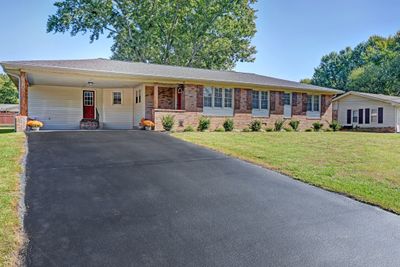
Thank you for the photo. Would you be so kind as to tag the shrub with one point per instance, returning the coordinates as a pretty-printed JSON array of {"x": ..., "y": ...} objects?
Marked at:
[
  {"x": 269, "y": 129},
  {"x": 335, "y": 126},
  {"x": 255, "y": 125},
  {"x": 309, "y": 130},
  {"x": 287, "y": 129},
  {"x": 278, "y": 125},
  {"x": 189, "y": 128},
  {"x": 247, "y": 129},
  {"x": 168, "y": 122},
  {"x": 220, "y": 129},
  {"x": 295, "y": 125},
  {"x": 228, "y": 125},
  {"x": 317, "y": 126},
  {"x": 204, "y": 124}
]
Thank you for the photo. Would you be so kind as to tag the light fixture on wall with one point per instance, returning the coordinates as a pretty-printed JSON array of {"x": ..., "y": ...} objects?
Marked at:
[{"x": 90, "y": 84}]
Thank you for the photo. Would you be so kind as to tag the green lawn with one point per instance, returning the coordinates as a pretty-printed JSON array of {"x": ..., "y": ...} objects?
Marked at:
[
  {"x": 11, "y": 151},
  {"x": 365, "y": 166}
]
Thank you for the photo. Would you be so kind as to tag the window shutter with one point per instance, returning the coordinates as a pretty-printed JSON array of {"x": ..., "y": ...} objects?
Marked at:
[
  {"x": 360, "y": 116},
  {"x": 323, "y": 104},
  {"x": 249, "y": 106},
  {"x": 349, "y": 116},
  {"x": 294, "y": 99},
  {"x": 367, "y": 115},
  {"x": 237, "y": 98},
  {"x": 380, "y": 115},
  {"x": 272, "y": 101},
  {"x": 281, "y": 98},
  {"x": 199, "y": 100},
  {"x": 304, "y": 103}
]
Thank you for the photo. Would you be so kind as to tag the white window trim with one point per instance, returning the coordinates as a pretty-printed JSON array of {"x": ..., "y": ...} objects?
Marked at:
[
  {"x": 260, "y": 112},
  {"x": 219, "y": 111},
  {"x": 112, "y": 97},
  {"x": 376, "y": 115},
  {"x": 312, "y": 113},
  {"x": 352, "y": 116}
]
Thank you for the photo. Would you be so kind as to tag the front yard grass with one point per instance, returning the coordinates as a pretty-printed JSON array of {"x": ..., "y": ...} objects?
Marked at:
[
  {"x": 11, "y": 151},
  {"x": 365, "y": 166}
]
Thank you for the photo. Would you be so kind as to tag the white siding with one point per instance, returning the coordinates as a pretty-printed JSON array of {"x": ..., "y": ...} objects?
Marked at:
[
  {"x": 56, "y": 107},
  {"x": 398, "y": 120},
  {"x": 356, "y": 102},
  {"x": 118, "y": 116}
]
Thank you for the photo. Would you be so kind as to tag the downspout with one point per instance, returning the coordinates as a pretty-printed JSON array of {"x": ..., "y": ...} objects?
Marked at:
[{"x": 19, "y": 91}]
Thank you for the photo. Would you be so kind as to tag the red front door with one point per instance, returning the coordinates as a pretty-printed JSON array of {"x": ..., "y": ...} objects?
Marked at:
[
  {"x": 179, "y": 98},
  {"x": 88, "y": 104}
]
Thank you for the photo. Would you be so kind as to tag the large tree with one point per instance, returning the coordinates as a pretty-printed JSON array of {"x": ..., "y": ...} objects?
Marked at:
[
  {"x": 372, "y": 66},
  {"x": 212, "y": 34},
  {"x": 8, "y": 91}
]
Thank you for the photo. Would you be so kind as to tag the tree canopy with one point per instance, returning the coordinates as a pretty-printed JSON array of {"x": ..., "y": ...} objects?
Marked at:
[
  {"x": 8, "y": 91},
  {"x": 372, "y": 66},
  {"x": 214, "y": 34}
]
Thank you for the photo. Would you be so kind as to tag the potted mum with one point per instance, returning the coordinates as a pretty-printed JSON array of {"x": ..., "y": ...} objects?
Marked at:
[
  {"x": 35, "y": 125},
  {"x": 147, "y": 124}
]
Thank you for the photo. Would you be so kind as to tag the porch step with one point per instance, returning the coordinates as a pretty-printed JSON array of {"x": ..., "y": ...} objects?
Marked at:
[{"x": 89, "y": 124}]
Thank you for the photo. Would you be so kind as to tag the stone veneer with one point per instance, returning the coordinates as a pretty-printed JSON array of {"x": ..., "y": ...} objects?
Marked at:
[{"x": 193, "y": 104}]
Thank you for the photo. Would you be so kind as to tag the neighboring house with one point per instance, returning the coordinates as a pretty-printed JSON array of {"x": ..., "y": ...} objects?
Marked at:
[
  {"x": 8, "y": 113},
  {"x": 373, "y": 112},
  {"x": 119, "y": 94}
]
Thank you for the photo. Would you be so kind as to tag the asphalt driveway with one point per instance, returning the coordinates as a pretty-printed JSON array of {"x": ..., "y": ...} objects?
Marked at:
[{"x": 136, "y": 198}]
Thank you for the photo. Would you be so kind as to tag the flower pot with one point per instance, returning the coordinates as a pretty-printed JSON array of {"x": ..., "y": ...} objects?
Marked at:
[{"x": 35, "y": 129}]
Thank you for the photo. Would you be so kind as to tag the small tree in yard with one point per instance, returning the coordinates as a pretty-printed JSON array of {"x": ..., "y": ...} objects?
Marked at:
[
  {"x": 228, "y": 125},
  {"x": 317, "y": 126},
  {"x": 168, "y": 122},
  {"x": 204, "y": 124},
  {"x": 295, "y": 125}
]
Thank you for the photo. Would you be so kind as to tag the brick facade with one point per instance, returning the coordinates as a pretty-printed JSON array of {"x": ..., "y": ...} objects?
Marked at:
[{"x": 193, "y": 102}]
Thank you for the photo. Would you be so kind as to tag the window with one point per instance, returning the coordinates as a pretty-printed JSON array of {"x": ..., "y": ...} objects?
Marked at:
[
  {"x": 260, "y": 99},
  {"x": 374, "y": 115},
  {"x": 264, "y": 100},
  {"x": 218, "y": 97},
  {"x": 313, "y": 103},
  {"x": 256, "y": 99},
  {"x": 286, "y": 99},
  {"x": 138, "y": 96},
  {"x": 355, "y": 116},
  {"x": 207, "y": 97},
  {"x": 218, "y": 101},
  {"x": 88, "y": 98},
  {"x": 117, "y": 98},
  {"x": 228, "y": 98}
]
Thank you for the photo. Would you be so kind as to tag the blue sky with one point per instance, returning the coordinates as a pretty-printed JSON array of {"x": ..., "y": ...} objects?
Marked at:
[{"x": 292, "y": 35}]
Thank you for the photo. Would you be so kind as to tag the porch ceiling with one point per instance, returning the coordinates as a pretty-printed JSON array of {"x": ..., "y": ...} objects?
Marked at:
[{"x": 69, "y": 80}]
